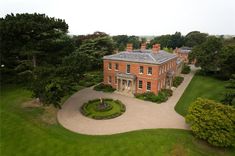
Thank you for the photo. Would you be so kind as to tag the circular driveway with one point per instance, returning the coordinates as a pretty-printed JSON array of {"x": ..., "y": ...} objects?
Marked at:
[{"x": 139, "y": 114}]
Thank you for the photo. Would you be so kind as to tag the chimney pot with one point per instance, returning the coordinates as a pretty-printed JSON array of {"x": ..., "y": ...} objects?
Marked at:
[
  {"x": 129, "y": 47},
  {"x": 156, "y": 48},
  {"x": 143, "y": 47}
]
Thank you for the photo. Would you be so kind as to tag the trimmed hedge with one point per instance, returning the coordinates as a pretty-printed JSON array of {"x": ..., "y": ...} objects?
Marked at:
[
  {"x": 213, "y": 122},
  {"x": 104, "y": 88},
  {"x": 162, "y": 96},
  {"x": 186, "y": 69},
  {"x": 177, "y": 81},
  {"x": 84, "y": 109}
]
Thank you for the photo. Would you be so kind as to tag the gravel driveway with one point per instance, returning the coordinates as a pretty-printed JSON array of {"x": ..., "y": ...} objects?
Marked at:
[{"x": 139, "y": 114}]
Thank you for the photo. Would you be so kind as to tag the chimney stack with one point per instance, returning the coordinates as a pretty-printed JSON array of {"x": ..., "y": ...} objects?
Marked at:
[
  {"x": 143, "y": 47},
  {"x": 156, "y": 48},
  {"x": 129, "y": 47}
]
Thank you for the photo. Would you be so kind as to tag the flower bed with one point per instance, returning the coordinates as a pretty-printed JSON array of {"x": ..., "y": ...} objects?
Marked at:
[
  {"x": 114, "y": 108},
  {"x": 162, "y": 96}
]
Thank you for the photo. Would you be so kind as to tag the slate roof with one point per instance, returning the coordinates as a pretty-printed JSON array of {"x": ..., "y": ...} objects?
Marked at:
[
  {"x": 185, "y": 49},
  {"x": 146, "y": 56}
]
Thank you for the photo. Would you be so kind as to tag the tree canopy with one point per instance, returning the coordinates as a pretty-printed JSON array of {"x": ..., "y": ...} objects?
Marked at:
[{"x": 195, "y": 38}]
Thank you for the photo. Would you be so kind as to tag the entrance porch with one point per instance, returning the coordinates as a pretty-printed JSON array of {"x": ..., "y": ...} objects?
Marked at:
[{"x": 126, "y": 83}]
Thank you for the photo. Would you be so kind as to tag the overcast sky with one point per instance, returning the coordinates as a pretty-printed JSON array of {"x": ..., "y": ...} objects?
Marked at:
[{"x": 133, "y": 17}]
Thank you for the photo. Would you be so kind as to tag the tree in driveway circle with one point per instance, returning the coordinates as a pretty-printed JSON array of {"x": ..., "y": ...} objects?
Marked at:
[{"x": 213, "y": 122}]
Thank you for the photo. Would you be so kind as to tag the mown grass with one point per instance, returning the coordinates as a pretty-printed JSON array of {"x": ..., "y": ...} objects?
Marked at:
[
  {"x": 200, "y": 86},
  {"x": 23, "y": 133}
]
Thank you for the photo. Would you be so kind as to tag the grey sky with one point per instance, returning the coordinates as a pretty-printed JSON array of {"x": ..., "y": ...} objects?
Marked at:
[{"x": 137, "y": 17}]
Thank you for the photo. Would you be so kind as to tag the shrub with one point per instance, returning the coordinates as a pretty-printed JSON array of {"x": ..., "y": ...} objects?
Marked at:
[
  {"x": 104, "y": 88},
  {"x": 213, "y": 122},
  {"x": 150, "y": 96},
  {"x": 186, "y": 69},
  {"x": 168, "y": 91},
  {"x": 177, "y": 81}
]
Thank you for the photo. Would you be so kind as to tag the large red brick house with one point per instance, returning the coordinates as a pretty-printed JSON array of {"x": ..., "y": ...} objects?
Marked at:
[{"x": 138, "y": 71}]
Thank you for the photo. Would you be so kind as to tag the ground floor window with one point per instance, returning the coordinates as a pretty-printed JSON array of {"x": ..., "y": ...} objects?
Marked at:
[
  {"x": 148, "y": 86},
  {"x": 159, "y": 85},
  {"x": 110, "y": 79},
  {"x": 115, "y": 79},
  {"x": 140, "y": 84}
]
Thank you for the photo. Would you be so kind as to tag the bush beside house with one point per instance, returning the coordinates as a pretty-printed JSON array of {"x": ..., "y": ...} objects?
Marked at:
[
  {"x": 177, "y": 81},
  {"x": 186, "y": 69},
  {"x": 162, "y": 96}
]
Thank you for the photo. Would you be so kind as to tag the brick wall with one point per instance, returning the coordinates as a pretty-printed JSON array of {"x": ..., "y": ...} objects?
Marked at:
[{"x": 155, "y": 78}]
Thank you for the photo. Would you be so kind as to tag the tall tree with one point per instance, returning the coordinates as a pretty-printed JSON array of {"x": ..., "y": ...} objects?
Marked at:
[
  {"x": 195, "y": 38},
  {"x": 27, "y": 36},
  {"x": 227, "y": 63},
  {"x": 96, "y": 49},
  {"x": 207, "y": 54}
]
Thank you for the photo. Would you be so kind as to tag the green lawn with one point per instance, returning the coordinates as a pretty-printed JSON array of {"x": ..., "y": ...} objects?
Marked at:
[
  {"x": 200, "y": 86},
  {"x": 23, "y": 133}
]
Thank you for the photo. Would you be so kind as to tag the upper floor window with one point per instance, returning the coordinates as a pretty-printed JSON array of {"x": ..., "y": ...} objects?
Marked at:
[
  {"x": 148, "y": 86},
  {"x": 116, "y": 66},
  {"x": 141, "y": 70},
  {"x": 110, "y": 66},
  {"x": 140, "y": 84},
  {"x": 149, "y": 70},
  {"x": 128, "y": 68}
]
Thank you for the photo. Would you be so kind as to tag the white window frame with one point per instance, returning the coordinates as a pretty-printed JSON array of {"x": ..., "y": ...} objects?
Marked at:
[
  {"x": 141, "y": 84},
  {"x": 116, "y": 65},
  {"x": 142, "y": 71},
  {"x": 127, "y": 68},
  {"x": 109, "y": 79},
  {"x": 151, "y": 71},
  {"x": 147, "y": 86},
  {"x": 110, "y": 66}
]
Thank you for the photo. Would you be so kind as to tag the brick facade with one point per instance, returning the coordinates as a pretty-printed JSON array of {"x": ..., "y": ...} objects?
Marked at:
[{"x": 158, "y": 78}]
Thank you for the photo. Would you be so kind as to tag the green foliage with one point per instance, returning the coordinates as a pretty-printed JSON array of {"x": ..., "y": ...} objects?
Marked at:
[
  {"x": 186, "y": 69},
  {"x": 114, "y": 108},
  {"x": 96, "y": 48},
  {"x": 104, "y": 88},
  {"x": 170, "y": 41},
  {"x": 195, "y": 38},
  {"x": 229, "y": 96},
  {"x": 208, "y": 53},
  {"x": 122, "y": 40},
  {"x": 177, "y": 81},
  {"x": 150, "y": 96},
  {"x": 91, "y": 78},
  {"x": 170, "y": 50},
  {"x": 28, "y": 35},
  {"x": 227, "y": 63},
  {"x": 51, "y": 84},
  {"x": 213, "y": 122}
]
